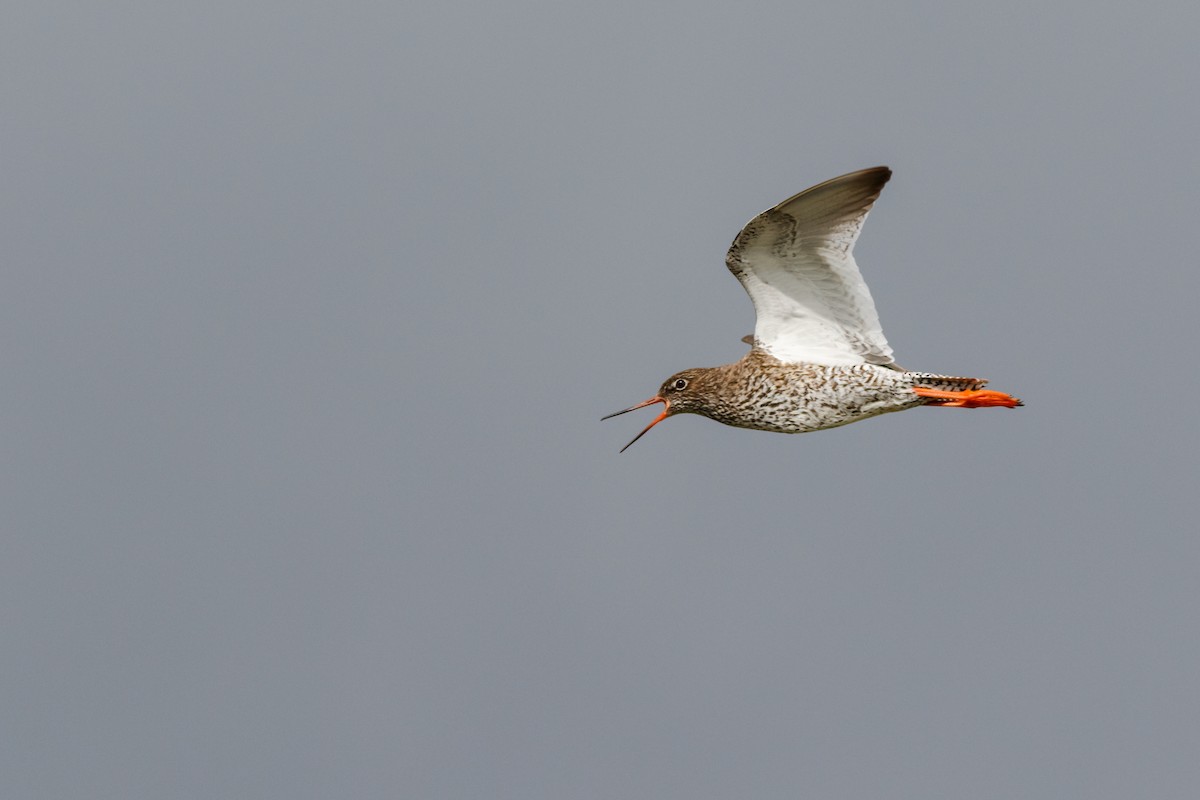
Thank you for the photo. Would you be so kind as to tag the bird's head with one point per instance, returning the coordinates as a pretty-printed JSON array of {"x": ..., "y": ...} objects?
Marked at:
[{"x": 682, "y": 393}]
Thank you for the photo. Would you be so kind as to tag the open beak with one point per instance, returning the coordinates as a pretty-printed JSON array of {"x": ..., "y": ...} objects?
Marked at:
[{"x": 656, "y": 399}]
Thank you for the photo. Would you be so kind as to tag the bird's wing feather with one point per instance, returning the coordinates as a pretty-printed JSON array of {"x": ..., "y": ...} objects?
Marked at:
[{"x": 796, "y": 262}]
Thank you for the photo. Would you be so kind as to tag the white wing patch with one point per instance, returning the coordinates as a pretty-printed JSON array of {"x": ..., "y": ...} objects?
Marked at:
[{"x": 796, "y": 262}]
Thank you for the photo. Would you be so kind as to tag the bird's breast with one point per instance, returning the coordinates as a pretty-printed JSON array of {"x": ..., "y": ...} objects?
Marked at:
[{"x": 798, "y": 398}]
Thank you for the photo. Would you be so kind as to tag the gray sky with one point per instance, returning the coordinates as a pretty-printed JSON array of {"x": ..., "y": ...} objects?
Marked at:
[{"x": 310, "y": 315}]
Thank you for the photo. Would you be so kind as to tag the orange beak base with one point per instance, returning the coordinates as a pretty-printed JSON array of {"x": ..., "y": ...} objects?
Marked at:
[{"x": 656, "y": 399}]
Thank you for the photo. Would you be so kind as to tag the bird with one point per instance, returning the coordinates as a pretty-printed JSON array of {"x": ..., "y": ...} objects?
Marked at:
[{"x": 818, "y": 358}]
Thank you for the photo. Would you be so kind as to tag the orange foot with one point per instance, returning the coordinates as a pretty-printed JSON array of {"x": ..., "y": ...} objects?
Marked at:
[{"x": 980, "y": 398}]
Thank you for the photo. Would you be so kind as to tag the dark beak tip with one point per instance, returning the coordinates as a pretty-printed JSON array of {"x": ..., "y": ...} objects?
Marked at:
[
  {"x": 666, "y": 412},
  {"x": 643, "y": 404}
]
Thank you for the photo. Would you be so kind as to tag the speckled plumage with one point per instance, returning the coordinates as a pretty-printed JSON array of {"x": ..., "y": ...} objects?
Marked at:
[
  {"x": 819, "y": 358},
  {"x": 763, "y": 393}
]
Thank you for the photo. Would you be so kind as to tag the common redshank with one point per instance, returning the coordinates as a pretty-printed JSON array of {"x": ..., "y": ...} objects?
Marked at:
[{"x": 818, "y": 358}]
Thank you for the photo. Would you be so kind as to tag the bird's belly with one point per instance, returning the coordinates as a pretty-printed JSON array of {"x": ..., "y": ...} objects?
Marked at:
[{"x": 813, "y": 408}]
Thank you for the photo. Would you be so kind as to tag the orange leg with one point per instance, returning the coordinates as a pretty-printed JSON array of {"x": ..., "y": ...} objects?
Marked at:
[{"x": 980, "y": 398}]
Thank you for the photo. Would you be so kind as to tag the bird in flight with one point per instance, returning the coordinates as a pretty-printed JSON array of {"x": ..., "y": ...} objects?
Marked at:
[{"x": 818, "y": 358}]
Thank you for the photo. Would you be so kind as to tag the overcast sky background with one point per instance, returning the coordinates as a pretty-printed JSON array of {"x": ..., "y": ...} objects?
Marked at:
[{"x": 310, "y": 313}]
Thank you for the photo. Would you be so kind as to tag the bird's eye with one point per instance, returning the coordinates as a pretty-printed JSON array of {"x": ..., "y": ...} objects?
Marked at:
[{"x": 680, "y": 384}]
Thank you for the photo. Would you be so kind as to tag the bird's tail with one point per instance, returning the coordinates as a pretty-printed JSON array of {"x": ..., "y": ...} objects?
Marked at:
[
  {"x": 946, "y": 383},
  {"x": 946, "y": 390}
]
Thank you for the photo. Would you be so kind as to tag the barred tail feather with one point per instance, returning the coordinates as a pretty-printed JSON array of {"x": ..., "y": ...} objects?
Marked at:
[{"x": 946, "y": 383}]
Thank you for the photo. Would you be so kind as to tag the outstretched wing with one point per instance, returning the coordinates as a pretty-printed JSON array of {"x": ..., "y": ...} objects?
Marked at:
[{"x": 796, "y": 262}]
